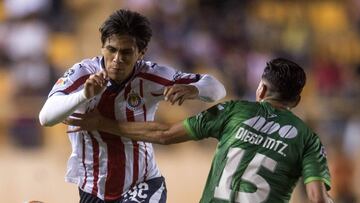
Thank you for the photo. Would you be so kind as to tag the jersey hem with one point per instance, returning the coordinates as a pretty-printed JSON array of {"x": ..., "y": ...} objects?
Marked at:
[{"x": 191, "y": 133}]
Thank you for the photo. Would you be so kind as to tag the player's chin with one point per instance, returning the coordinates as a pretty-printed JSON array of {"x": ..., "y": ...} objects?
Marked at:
[{"x": 116, "y": 75}]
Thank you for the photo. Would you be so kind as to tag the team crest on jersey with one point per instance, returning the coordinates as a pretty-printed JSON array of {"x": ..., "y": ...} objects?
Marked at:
[{"x": 134, "y": 100}]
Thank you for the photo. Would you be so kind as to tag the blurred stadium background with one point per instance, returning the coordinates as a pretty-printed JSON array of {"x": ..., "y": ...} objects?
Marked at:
[{"x": 231, "y": 39}]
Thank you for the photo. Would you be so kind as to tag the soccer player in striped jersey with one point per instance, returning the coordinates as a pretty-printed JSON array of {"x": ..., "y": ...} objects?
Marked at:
[
  {"x": 122, "y": 87},
  {"x": 263, "y": 147}
]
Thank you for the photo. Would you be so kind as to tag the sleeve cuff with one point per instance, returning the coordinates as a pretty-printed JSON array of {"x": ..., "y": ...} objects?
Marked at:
[
  {"x": 189, "y": 130},
  {"x": 201, "y": 96}
]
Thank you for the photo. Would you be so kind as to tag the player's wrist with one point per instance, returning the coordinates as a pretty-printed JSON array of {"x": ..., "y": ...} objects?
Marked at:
[{"x": 195, "y": 91}]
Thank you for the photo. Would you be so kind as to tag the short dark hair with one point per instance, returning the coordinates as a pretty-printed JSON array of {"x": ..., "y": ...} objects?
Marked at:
[
  {"x": 286, "y": 79},
  {"x": 126, "y": 22}
]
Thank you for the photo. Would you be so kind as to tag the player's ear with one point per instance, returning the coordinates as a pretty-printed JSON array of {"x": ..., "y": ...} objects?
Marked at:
[{"x": 262, "y": 91}]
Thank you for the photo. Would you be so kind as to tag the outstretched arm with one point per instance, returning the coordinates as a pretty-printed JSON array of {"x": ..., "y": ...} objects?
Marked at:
[
  {"x": 316, "y": 192},
  {"x": 58, "y": 107},
  {"x": 207, "y": 89},
  {"x": 141, "y": 131}
]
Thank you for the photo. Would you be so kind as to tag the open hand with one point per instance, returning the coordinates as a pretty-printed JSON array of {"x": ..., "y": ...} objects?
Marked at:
[
  {"x": 87, "y": 122},
  {"x": 180, "y": 92}
]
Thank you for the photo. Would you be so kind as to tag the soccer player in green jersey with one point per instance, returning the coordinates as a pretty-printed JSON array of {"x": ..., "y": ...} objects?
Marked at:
[{"x": 263, "y": 147}]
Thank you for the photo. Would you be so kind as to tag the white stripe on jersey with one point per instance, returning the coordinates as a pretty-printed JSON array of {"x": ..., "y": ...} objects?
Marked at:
[
  {"x": 102, "y": 164},
  {"x": 129, "y": 162},
  {"x": 87, "y": 170}
]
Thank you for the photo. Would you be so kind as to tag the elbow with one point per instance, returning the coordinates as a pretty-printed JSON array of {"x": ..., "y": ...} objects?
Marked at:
[
  {"x": 218, "y": 90},
  {"x": 218, "y": 94},
  {"x": 44, "y": 120},
  {"x": 221, "y": 93}
]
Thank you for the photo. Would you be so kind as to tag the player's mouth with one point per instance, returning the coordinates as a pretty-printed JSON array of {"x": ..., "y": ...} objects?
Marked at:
[{"x": 117, "y": 69}]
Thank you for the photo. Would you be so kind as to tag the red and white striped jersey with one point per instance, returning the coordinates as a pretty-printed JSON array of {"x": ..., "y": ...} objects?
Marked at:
[{"x": 104, "y": 164}]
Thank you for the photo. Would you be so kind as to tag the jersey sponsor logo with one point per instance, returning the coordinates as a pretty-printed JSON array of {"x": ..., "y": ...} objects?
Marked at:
[
  {"x": 272, "y": 116},
  {"x": 134, "y": 100},
  {"x": 259, "y": 123},
  {"x": 177, "y": 75},
  {"x": 180, "y": 75},
  {"x": 68, "y": 73},
  {"x": 61, "y": 81}
]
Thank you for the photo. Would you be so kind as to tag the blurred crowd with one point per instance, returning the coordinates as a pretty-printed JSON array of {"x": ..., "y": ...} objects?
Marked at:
[{"x": 231, "y": 39}]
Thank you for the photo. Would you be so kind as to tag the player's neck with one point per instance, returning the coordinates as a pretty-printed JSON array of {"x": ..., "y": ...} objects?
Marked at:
[{"x": 276, "y": 104}]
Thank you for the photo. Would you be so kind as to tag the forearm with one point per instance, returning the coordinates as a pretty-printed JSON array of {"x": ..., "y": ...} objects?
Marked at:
[
  {"x": 210, "y": 89},
  {"x": 58, "y": 107},
  {"x": 316, "y": 192},
  {"x": 153, "y": 132}
]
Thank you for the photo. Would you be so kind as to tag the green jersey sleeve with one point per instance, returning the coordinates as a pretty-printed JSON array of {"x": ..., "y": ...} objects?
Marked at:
[
  {"x": 314, "y": 164},
  {"x": 207, "y": 123}
]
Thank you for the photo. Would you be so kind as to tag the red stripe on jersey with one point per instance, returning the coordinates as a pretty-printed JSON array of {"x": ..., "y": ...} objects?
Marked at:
[
  {"x": 129, "y": 114},
  {"x": 83, "y": 161},
  {"x": 96, "y": 154},
  {"x": 156, "y": 94},
  {"x": 146, "y": 163},
  {"x": 76, "y": 84},
  {"x": 166, "y": 82},
  {"x": 186, "y": 81},
  {"x": 131, "y": 118},
  {"x": 142, "y": 96},
  {"x": 155, "y": 78},
  {"x": 144, "y": 109},
  {"x": 115, "y": 149},
  {"x": 136, "y": 162}
]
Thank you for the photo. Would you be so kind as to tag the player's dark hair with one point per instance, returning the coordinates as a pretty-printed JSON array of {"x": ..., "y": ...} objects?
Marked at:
[
  {"x": 126, "y": 22},
  {"x": 286, "y": 79}
]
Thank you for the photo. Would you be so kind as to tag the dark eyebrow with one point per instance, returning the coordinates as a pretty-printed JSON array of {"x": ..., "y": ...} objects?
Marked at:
[
  {"x": 109, "y": 46},
  {"x": 127, "y": 49}
]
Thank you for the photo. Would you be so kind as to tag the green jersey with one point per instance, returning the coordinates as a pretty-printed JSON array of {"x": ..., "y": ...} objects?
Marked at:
[{"x": 261, "y": 154}]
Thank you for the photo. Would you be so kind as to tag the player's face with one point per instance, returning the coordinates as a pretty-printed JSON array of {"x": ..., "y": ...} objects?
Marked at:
[{"x": 120, "y": 55}]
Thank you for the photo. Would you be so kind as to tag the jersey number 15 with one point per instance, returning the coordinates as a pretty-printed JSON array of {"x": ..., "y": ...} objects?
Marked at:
[{"x": 234, "y": 157}]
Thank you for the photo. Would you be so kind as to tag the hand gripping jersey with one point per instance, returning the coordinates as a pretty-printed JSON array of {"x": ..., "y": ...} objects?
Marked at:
[
  {"x": 106, "y": 165},
  {"x": 261, "y": 153}
]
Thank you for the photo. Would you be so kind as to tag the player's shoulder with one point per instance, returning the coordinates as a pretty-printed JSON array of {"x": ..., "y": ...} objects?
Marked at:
[
  {"x": 237, "y": 105},
  {"x": 297, "y": 121},
  {"x": 243, "y": 104},
  {"x": 92, "y": 65},
  {"x": 150, "y": 67},
  {"x": 83, "y": 68}
]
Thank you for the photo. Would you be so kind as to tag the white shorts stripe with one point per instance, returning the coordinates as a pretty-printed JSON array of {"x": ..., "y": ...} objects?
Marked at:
[{"x": 155, "y": 198}]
